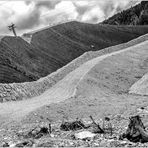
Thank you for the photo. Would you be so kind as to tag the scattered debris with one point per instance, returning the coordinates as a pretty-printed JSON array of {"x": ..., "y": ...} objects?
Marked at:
[
  {"x": 79, "y": 134},
  {"x": 50, "y": 129},
  {"x": 84, "y": 135},
  {"x": 76, "y": 125},
  {"x": 142, "y": 110},
  {"x": 37, "y": 132},
  {"x": 95, "y": 128},
  {"x": 28, "y": 143},
  {"x": 46, "y": 144},
  {"x": 135, "y": 131},
  {"x": 5, "y": 144},
  {"x": 107, "y": 125}
]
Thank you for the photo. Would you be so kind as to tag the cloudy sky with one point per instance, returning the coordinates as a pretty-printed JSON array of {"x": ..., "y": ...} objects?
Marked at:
[{"x": 30, "y": 15}]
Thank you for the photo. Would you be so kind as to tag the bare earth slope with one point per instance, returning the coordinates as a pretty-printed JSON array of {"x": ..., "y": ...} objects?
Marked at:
[
  {"x": 116, "y": 74},
  {"x": 141, "y": 86},
  {"x": 126, "y": 65}
]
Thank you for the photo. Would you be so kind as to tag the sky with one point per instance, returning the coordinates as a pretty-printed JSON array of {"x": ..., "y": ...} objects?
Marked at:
[{"x": 31, "y": 15}]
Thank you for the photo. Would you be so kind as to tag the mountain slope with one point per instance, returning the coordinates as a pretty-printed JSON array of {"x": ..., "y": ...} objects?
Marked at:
[
  {"x": 100, "y": 36},
  {"x": 137, "y": 15},
  {"x": 51, "y": 48},
  {"x": 102, "y": 78},
  {"x": 19, "y": 91},
  {"x": 16, "y": 60}
]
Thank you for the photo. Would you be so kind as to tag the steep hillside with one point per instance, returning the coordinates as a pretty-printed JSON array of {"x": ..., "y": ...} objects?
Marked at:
[
  {"x": 137, "y": 15},
  {"x": 16, "y": 60},
  {"x": 19, "y": 91},
  {"x": 20, "y": 61},
  {"x": 97, "y": 37},
  {"x": 51, "y": 48}
]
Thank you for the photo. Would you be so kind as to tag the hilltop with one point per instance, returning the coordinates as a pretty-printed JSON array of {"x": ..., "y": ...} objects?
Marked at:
[
  {"x": 41, "y": 52},
  {"x": 137, "y": 15}
]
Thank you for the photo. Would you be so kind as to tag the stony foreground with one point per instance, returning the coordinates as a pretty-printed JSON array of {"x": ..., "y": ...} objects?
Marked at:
[{"x": 17, "y": 135}]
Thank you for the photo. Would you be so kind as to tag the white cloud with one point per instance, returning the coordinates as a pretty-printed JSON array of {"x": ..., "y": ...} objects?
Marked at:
[
  {"x": 13, "y": 12},
  {"x": 68, "y": 8},
  {"x": 94, "y": 15},
  {"x": 28, "y": 15}
]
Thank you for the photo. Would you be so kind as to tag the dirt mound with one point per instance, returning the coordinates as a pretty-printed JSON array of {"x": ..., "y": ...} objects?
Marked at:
[{"x": 141, "y": 86}]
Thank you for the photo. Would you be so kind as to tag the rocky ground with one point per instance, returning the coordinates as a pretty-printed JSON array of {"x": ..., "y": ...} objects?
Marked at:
[{"x": 17, "y": 135}]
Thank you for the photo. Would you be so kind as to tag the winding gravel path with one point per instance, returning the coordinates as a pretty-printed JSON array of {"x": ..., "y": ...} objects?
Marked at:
[{"x": 63, "y": 90}]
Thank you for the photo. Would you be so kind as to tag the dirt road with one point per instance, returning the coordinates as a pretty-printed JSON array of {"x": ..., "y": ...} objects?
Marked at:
[{"x": 64, "y": 89}]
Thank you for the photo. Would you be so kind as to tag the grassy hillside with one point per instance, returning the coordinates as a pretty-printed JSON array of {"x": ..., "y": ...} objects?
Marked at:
[
  {"x": 100, "y": 36},
  {"x": 19, "y": 91},
  {"x": 16, "y": 60},
  {"x": 51, "y": 48}
]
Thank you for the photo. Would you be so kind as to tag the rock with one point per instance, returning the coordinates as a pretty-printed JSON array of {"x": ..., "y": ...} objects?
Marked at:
[
  {"x": 84, "y": 135},
  {"x": 46, "y": 144},
  {"x": 25, "y": 143},
  {"x": 37, "y": 132},
  {"x": 11, "y": 144},
  {"x": 52, "y": 135},
  {"x": 5, "y": 144},
  {"x": 75, "y": 125},
  {"x": 103, "y": 143}
]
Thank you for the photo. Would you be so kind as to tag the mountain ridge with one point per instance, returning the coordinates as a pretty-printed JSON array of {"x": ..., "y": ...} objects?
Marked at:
[
  {"x": 136, "y": 15},
  {"x": 52, "y": 48}
]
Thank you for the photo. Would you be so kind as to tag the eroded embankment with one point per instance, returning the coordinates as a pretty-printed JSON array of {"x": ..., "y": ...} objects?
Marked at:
[
  {"x": 140, "y": 87},
  {"x": 19, "y": 91}
]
